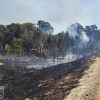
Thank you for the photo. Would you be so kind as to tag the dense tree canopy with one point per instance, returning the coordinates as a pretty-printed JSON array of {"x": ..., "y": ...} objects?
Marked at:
[
  {"x": 26, "y": 37},
  {"x": 45, "y": 27},
  {"x": 29, "y": 38}
]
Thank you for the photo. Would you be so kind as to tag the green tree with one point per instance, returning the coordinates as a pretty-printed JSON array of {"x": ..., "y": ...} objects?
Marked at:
[
  {"x": 63, "y": 43},
  {"x": 7, "y": 48},
  {"x": 51, "y": 45},
  {"x": 29, "y": 30},
  {"x": 3, "y": 31},
  {"x": 17, "y": 45},
  {"x": 45, "y": 27},
  {"x": 37, "y": 44}
]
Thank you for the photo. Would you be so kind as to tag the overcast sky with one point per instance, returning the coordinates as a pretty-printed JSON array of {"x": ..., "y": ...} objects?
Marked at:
[{"x": 59, "y": 13}]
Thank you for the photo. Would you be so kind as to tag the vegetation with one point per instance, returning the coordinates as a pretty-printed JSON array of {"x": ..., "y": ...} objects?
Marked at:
[
  {"x": 26, "y": 37},
  {"x": 39, "y": 40}
]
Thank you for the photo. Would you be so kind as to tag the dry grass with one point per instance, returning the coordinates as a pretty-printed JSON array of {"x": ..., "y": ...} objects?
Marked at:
[
  {"x": 89, "y": 86},
  {"x": 2, "y": 57},
  {"x": 98, "y": 91}
]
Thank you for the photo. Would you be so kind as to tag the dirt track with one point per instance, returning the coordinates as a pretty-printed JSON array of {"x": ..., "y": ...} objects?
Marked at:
[{"x": 88, "y": 84}]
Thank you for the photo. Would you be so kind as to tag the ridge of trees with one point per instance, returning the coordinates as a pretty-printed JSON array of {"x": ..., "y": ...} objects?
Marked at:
[
  {"x": 27, "y": 37},
  {"x": 39, "y": 39}
]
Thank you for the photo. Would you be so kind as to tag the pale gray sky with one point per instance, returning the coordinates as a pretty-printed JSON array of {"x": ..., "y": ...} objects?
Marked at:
[{"x": 59, "y": 13}]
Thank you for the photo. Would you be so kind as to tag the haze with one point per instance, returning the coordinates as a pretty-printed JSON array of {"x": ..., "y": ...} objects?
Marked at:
[{"x": 59, "y": 13}]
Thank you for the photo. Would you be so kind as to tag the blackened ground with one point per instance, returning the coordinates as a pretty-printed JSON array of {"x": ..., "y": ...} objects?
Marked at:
[{"x": 53, "y": 83}]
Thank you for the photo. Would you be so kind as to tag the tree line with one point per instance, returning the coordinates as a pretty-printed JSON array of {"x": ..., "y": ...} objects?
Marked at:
[{"x": 35, "y": 39}]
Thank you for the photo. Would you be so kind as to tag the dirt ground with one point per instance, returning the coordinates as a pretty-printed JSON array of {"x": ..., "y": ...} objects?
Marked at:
[
  {"x": 77, "y": 80},
  {"x": 88, "y": 87}
]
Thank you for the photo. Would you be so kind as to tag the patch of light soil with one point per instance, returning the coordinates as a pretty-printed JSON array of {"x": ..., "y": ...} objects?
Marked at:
[{"x": 88, "y": 84}]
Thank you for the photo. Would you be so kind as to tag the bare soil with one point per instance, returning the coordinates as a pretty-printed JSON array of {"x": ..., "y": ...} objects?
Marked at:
[{"x": 61, "y": 82}]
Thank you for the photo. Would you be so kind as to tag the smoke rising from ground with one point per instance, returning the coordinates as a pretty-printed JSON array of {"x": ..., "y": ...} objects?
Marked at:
[
  {"x": 84, "y": 37},
  {"x": 73, "y": 32}
]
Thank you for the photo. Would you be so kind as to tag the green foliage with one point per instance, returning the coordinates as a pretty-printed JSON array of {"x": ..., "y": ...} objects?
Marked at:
[
  {"x": 50, "y": 41},
  {"x": 17, "y": 44},
  {"x": 92, "y": 45},
  {"x": 3, "y": 31},
  {"x": 45, "y": 27},
  {"x": 26, "y": 37},
  {"x": 7, "y": 48},
  {"x": 29, "y": 31}
]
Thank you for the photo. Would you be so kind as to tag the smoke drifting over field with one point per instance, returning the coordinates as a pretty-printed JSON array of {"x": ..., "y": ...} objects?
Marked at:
[{"x": 86, "y": 39}]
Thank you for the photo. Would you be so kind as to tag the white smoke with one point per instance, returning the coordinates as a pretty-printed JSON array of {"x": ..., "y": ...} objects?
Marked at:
[
  {"x": 72, "y": 30},
  {"x": 84, "y": 37}
]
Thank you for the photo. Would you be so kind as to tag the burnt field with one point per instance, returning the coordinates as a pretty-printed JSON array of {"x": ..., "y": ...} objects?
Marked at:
[{"x": 52, "y": 83}]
